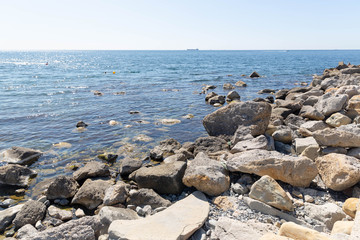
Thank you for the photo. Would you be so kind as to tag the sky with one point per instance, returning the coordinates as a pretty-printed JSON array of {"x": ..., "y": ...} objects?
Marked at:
[{"x": 179, "y": 25}]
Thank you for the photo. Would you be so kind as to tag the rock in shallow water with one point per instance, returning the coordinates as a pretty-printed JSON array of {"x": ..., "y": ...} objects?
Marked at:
[
  {"x": 16, "y": 175},
  {"x": 20, "y": 155},
  {"x": 92, "y": 169},
  {"x": 8, "y": 215},
  {"x": 62, "y": 187}
]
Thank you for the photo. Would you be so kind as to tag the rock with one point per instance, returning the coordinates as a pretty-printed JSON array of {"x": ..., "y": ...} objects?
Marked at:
[
  {"x": 8, "y": 215},
  {"x": 190, "y": 214},
  {"x": 311, "y": 113},
  {"x": 91, "y": 193},
  {"x": 26, "y": 231},
  {"x": 116, "y": 194},
  {"x": 226, "y": 120},
  {"x": 354, "y": 103},
  {"x": 297, "y": 171},
  {"x": 58, "y": 213},
  {"x": 81, "y": 124},
  {"x": 217, "y": 99},
  {"x": 225, "y": 203},
  {"x": 210, "y": 95},
  {"x": 267, "y": 190},
  {"x": 189, "y": 116},
  {"x": 290, "y": 104},
  {"x": 164, "y": 149},
  {"x": 342, "y": 227},
  {"x": 164, "y": 178},
  {"x": 313, "y": 126},
  {"x": 30, "y": 213},
  {"x": 179, "y": 157},
  {"x": 280, "y": 113},
  {"x": 209, "y": 145},
  {"x": 283, "y": 135},
  {"x": 241, "y": 134},
  {"x": 272, "y": 236},
  {"x": 240, "y": 84},
  {"x": 208, "y": 87},
  {"x": 329, "y": 104},
  {"x": 353, "y": 152},
  {"x": 62, "y": 187},
  {"x": 142, "y": 138},
  {"x": 113, "y": 122},
  {"x": 311, "y": 152},
  {"x": 343, "y": 136},
  {"x": 146, "y": 196},
  {"x": 339, "y": 171},
  {"x": 351, "y": 70},
  {"x": 254, "y": 75},
  {"x": 92, "y": 169},
  {"x": 281, "y": 94},
  {"x": 302, "y": 143},
  {"x": 338, "y": 119},
  {"x": 129, "y": 165},
  {"x": 16, "y": 175},
  {"x": 170, "y": 121},
  {"x": 293, "y": 121},
  {"x": 228, "y": 86},
  {"x": 112, "y": 157},
  {"x": 355, "y": 232},
  {"x": 350, "y": 205},
  {"x": 326, "y": 214},
  {"x": 266, "y": 91},
  {"x": 85, "y": 228},
  {"x": 79, "y": 213},
  {"x": 109, "y": 214},
  {"x": 206, "y": 175},
  {"x": 259, "y": 142},
  {"x": 20, "y": 155},
  {"x": 233, "y": 95},
  {"x": 239, "y": 188},
  {"x": 294, "y": 231},
  {"x": 229, "y": 229}
]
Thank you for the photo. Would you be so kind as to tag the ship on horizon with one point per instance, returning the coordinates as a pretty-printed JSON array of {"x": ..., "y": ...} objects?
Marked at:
[{"x": 192, "y": 49}]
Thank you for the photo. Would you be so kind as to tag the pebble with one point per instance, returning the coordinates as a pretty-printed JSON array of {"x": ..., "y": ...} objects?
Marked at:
[
  {"x": 309, "y": 199},
  {"x": 6, "y": 203},
  {"x": 79, "y": 213}
]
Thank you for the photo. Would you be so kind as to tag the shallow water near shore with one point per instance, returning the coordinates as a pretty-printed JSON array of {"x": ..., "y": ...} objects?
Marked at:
[{"x": 40, "y": 104}]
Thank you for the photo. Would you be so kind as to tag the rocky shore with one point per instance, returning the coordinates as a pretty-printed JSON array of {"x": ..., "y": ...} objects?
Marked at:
[{"x": 286, "y": 166}]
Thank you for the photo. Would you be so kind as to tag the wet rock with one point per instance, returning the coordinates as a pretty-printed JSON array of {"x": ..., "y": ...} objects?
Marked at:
[
  {"x": 58, "y": 213},
  {"x": 297, "y": 171},
  {"x": 97, "y": 93},
  {"x": 233, "y": 95},
  {"x": 338, "y": 119},
  {"x": 226, "y": 120},
  {"x": 169, "y": 121},
  {"x": 8, "y": 215},
  {"x": 30, "y": 213},
  {"x": 109, "y": 214},
  {"x": 16, "y": 175},
  {"x": 254, "y": 75},
  {"x": 210, "y": 95},
  {"x": 228, "y": 86},
  {"x": 146, "y": 196},
  {"x": 209, "y": 145},
  {"x": 259, "y": 142},
  {"x": 311, "y": 113},
  {"x": 92, "y": 169},
  {"x": 208, "y": 87},
  {"x": 81, "y": 124},
  {"x": 129, "y": 165},
  {"x": 344, "y": 136},
  {"x": 20, "y": 155},
  {"x": 62, "y": 187},
  {"x": 329, "y": 104},
  {"x": 91, "y": 193},
  {"x": 240, "y": 84},
  {"x": 206, "y": 175},
  {"x": 190, "y": 214},
  {"x": 295, "y": 231},
  {"x": 116, "y": 194},
  {"x": 350, "y": 205},
  {"x": 326, "y": 214},
  {"x": 110, "y": 157},
  {"x": 339, "y": 171},
  {"x": 267, "y": 190},
  {"x": 164, "y": 178},
  {"x": 302, "y": 143},
  {"x": 266, "y": 91},
  {"x": 344, "y": 227},
  {"x": 164, "y": 149},
  {"x": 217, "y": 99}
]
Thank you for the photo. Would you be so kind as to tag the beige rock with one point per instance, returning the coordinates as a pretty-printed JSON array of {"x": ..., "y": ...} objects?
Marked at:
[
  {"x": 342, "y": 227},
  {"x": 259, "y": 142},
  {"x": 179, "y": 221},
  {"x": 338, "y": 119},
  {"x": 338, "y": 171},
  {"x": 272, "y": 236},
  {"x": 302, "y": 143},
  {"x": 355, "y": 232},
  {"x": 283, "y": 135},
  {"x": 311, "y": 152},
  {"x": 298, "y": 232},
  {"x": 267, "y": 190},
  {"x": 344, "y": 136},
  {"x": 297, "y": 171},
  {"x": 225, "y": 202},
  {"x": 349, "y": 206},
  {"x": 325, "y": 215},
  {"x": 354, "y": 103},
  {"x": 311, "y": 113},
  {"x": 313, "y": 126},
  {"x": 240, "y": 84}
]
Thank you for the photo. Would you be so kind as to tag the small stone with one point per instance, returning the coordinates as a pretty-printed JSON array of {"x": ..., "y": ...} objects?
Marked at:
[
  {"x": 309, "y": 199},
  {"x": 81, "y": 124},
  {"x": 79, "y": 213},
  {"x": 254, "y": 75},
  {"x": 350, "y": 205},
  {"x": 297, "y": 194}
]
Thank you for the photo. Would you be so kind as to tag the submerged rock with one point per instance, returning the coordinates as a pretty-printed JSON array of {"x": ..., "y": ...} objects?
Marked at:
[
  {"x": 20, "y": 155},
  {"x": 16, "y": 175},
  {"x": 164, "y": 149}
]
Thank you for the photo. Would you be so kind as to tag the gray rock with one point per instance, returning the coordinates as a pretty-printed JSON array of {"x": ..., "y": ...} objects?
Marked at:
[
  {"x": 164, "y": 178},
  {"x": 241, "y": 134},
  {"x": 239, "y": 188},
  {"x": 178, "y": 157},
  {"x": 109, "y": 214},
  {"x": 281, "y": 94},
  {"x": 16, "y": 175},
  {"x": 116, "y": 194},
  {"x": 92, "y": 169},
  {"x": 328, "y": 150},
  {"x": 351, "y": 70},
  {"x": 302, "y": 143},
  {"x": 326, "y": 214},
  {"x": 329, "y": 104},
  {"x": 164, "y": 149},
  {"x": 146, "y": 196},
  {"x": 8, "y": 215},
  {"x": 280, "y": 113},
  {"x": 129, "y": 165},
  {"x": 228, "y": 86},
  {"x": 259, "y": 142},
  {"x": 311, "y": 113},
  {"x": 344, "y": 136},
  {"x": 293, "y": 105},
  {"x": 206, "y": 175},
  {"x": 282, "y": 147},
  {"x": 254, "y": 75},
  {"x": 20, "y": 155},
  {"x": 226, "y": 120},
  {"x": 354, "y": 152},
  {"x": 91, "y": 193},
  {"x": 58, "y": 213},
  {"x": 233, "y": 95},
  {"x": 26, "y": 231},
  {"x": 217, "y": 99},
  {"x": 210, "y": 95},
  {"x": 283, "y": 135},
  {"x": 79, "y": 213},
  {"x": 62, "y": 187},
  {"x": 209, "y": 145},
  {"x": 30, "y": 213},
  {"x": 313, "y": 126}
]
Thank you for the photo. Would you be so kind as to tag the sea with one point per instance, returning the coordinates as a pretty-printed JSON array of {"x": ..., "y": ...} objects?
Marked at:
[{"x": 43, "y": 94}]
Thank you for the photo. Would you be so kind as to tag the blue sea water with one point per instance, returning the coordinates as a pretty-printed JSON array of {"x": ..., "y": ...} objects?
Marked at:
[{"x": 40, "y": 104}]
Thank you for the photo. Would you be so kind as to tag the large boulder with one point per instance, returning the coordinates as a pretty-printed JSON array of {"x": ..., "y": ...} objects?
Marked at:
[
  {"x": 344, "y": 136},
  {"x": 164, "y": 178},
  {"x": 339, "y": 171},
  {"x": 62, "y": 187},
  {"x": 209, "y": 145},
  {"x": 30, "y": 213},
  {"x": 206, "y": 175},
  {"x": 326, "y": 214},
  {"x": 267, "y": 190},
  {"x": 16, "y": 175},
  {"x": 226, "y": 120},
  {"x": 260, "y": 142},
  {"x": 329, "y": 104},
  {"x": 179, "y": 221},
  {"x": 20, "y": 155},
  {"x": 8, "y": 215},
  {"x": 146, "y": 196},
  {"x": 297, "y": 171},
  {"x": 164, "y": 149},
  {"x": 91, "y": 193},
  {"x": 92, "y": 169},
  {"x": 129, "y": 165}
]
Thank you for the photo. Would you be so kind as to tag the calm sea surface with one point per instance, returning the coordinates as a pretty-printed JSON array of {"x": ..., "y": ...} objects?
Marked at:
[{"x": 40, "y": 104}]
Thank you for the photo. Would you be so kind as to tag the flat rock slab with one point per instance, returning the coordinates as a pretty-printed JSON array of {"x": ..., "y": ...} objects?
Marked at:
[
  {"x": 177, "y": 222},
  {"x": 92, "y": 169},
  {"x": 20, "y": 155},
  {"x": 8, "y": 215},
  {"x": 16, "y": 175},
  {"x": 343, "y": 136}
]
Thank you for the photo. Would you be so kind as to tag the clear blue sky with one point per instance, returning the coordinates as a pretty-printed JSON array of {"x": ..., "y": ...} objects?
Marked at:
[{"x": 170, "y": 24}]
